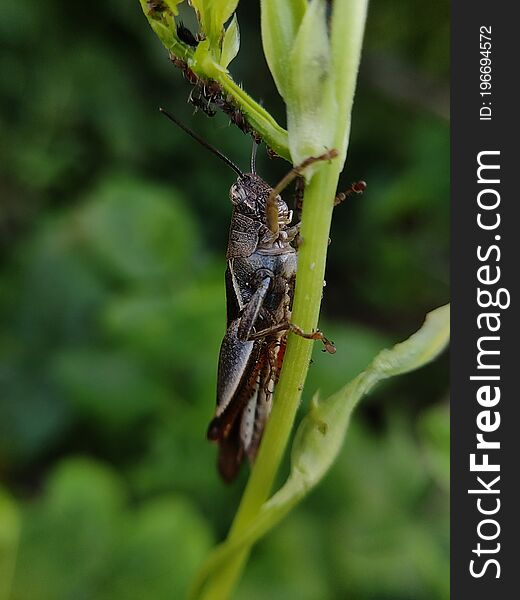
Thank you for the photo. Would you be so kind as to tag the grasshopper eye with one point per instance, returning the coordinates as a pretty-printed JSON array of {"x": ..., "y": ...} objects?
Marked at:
[{"x": 237, "y": 193}]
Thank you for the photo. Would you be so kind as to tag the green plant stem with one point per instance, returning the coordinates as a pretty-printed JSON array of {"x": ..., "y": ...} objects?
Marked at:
[
  {"x": 346, "y": 36},
  {"x": 258, "y": 118},
  {"x": 318, "y": 205}
]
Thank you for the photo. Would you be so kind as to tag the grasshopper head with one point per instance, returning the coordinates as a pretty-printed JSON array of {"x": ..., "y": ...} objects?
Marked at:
[{"x": 249, "y": 195}]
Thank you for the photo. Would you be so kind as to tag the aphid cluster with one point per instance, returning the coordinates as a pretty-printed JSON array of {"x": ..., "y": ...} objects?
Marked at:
[{"x": 207, "y": 95}]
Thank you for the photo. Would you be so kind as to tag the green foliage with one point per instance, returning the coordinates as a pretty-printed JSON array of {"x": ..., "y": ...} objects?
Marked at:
[
  {"x": 80, "y": 133},
  {"x": 110, "y": 549},
  {"x": 139, "y": 233}
]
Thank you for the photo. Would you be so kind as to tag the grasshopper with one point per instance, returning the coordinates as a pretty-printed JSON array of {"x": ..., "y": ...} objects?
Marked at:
[{"x": 260, "y": 278}]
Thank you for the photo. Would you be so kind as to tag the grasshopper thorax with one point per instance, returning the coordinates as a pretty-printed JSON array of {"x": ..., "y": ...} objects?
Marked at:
[{"x": 249, "y": 196}]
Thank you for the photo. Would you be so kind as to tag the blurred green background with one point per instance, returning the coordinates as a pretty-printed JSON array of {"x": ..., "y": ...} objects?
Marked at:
[{"x": 113, "y": 226}]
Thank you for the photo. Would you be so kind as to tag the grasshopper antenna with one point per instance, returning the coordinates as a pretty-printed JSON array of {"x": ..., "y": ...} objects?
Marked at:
[
  {"x": 202, "y": 142},
  {"x": 253, "y": 157}
]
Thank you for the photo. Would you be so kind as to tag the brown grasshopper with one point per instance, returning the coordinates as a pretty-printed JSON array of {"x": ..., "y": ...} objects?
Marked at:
[{"x": 260, "y": 278}]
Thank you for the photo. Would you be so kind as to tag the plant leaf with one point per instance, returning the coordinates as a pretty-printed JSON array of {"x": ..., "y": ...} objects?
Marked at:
[
  {"x": 321, "y": 434},
  {"x": 212, "y": 17},
  {"x": 222, "y": 10},
  {"x": 231, "y": 43},
  {"x": 203, "y": 10},
  {"x": 280, "y": 22}
]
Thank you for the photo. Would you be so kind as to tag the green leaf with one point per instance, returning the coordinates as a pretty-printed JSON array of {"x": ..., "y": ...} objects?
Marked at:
[
  {"x": 167, "y": 539},
  {"x": 280, "y": 22},
  {"x": 231, "y": 43},
  {"x": 203, "y": 10},
  {"x": 222, "y": 11},
  {"x": 321, "y": 434},
  {"x": 212, "y": 17}
]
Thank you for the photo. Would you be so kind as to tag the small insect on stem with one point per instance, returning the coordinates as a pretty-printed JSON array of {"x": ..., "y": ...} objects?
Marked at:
[
  {"x": 355, "y": 188},
  {"x": 260, "y": 279}
]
